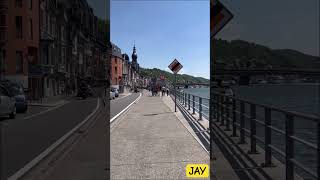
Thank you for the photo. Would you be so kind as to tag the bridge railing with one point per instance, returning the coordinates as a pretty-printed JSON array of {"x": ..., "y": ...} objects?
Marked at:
[
  {"x": 291, "y": 137},
  {"x": 194, "y": 103}
]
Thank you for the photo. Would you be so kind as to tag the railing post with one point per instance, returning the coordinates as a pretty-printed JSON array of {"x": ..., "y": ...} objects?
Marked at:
[
  {"x": 227, "y": 110},
  {"x": 289, "y": 147},
  {"x": 267, "y": 137},
  {"x": 234, "y": 118},
  {"x": 200, "y": 108},
  {"x": 193, "y": 105},
  {"x": 242, "y": 133},
  {"x": 185, "y": 104},
  {"x": 318, "y": 152},
  {"x": 188, "y": 101},
  {"x": 218, "y": 108},
  {"x": 222, "y": 111},
  {"x": 214, "y": 107},
  {"x": 253, "y": 130}
]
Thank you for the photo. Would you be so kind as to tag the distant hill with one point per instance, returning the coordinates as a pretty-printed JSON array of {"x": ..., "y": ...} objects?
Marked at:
[
  {"x": 241, "y": 53},
  {"x": 150, "y": 73}
]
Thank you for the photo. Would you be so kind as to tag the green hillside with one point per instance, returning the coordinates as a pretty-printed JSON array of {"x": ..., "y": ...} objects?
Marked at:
[
  {"x": 239, "y": 53},
  {"x": 150, "y": 73}
]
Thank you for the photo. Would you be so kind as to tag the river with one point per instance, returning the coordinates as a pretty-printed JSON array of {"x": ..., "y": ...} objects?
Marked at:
[{"x": 303, "y": 98}]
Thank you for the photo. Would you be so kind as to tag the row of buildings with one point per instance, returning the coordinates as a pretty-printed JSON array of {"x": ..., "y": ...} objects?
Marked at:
[
  {"x": 125, "y": 73},
  {"x": 47, "y": 45}
]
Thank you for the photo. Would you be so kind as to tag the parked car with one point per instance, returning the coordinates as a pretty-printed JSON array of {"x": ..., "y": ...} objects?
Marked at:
[
  {"x": 7, "y": 103},
  {"x": 112, "y": 95},
  {"x": 116, "y": 91},
  {"x": 18, "y": 92}
]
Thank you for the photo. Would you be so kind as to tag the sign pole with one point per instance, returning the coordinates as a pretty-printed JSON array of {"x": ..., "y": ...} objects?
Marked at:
[{"x": 175, "y": 92}]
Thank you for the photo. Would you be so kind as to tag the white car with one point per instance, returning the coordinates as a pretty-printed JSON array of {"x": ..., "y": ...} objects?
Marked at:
[
  {"x": 7, "y": 103},
  {"x": 112, "y": 95}
]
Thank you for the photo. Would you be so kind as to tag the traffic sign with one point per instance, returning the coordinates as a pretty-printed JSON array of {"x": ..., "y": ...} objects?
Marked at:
[
  {"x": 175, "y": 66},
  {"x": 219, "y": 17}
]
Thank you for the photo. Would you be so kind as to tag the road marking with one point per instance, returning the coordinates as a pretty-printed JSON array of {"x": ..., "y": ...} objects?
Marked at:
[
  {"x": 36, "y": 160},
  {"x": 45, "y": 111},
  {"x": 116, "y": 116}
]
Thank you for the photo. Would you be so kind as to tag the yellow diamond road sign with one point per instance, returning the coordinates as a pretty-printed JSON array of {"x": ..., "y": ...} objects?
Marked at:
[
  {"x": 219, "y": 17},
  {"x": 175, "y": 66}
]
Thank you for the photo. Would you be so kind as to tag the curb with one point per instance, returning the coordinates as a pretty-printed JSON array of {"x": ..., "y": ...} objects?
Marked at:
[{"x": 52, "y": 147}]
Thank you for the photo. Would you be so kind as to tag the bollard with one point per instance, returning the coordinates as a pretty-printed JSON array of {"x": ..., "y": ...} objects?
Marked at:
[
  {"x": 289, "y": 147},
  {"x": 193, "y": 105},
  {"x": 200, "y": 108}
]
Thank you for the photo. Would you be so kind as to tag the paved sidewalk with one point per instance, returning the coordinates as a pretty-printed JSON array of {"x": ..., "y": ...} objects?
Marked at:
[{"x": 149, "y": 142}]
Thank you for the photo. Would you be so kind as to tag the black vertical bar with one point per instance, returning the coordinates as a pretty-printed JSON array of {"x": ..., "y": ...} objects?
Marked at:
[
  {"x": 289, "y": 147},
  {"x": 200, "y": 108},
  {"x": 227, "y": 114},
  {"x": 234, "y": 118},
  {"x": 188, "y": 101},
  {"x": 242, "y": 133},
  {"x": 193, "y": 104},
  {"x": 222, "y": 111},
  {"x": 267, "y": 137},
  {"x": 218, "y": 108},
  {"x": 213, "y": 109},
  {"x": 253, "y": 130},
  {"x": 3, "y": 170},
  {"x": 318, "y": 150}
]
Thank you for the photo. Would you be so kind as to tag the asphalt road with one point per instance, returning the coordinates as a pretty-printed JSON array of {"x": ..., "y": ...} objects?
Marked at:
[
  {"x": 117, "y": 105},
  {"x": 25, "y": 139}
]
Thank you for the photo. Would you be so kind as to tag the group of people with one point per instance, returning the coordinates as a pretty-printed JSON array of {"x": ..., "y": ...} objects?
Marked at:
[{"x": 156, "y": 89}]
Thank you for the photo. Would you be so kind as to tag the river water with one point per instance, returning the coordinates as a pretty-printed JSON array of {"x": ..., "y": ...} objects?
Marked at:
[{"x": 304, "y": 98}]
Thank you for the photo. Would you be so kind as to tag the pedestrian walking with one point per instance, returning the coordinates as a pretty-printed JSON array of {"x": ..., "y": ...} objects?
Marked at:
[{"x": 167, "y": 91}]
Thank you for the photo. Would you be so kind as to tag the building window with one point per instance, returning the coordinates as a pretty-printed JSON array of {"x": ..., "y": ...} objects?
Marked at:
[
  {"x": 30, "y": 4},
  {"x": 30, "y": 27},
  {"x": 115, "y": 60},
  {"x": 3, "y": 20},
  {"x": 19, "y": 62},
  {"x": 19, "y": 27},
  {"x": 18, "y": 4}
]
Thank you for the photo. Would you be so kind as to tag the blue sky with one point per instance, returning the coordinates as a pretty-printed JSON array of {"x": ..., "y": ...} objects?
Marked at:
[{"x": 162, "y": 31}]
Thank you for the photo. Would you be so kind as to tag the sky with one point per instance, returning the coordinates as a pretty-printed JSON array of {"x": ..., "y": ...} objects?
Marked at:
[
  {"x": 279, "y": 24},
  {"x": 163, "y": 31}
]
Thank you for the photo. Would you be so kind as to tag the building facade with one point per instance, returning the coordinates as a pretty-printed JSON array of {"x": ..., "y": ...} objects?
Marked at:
[
  {"x": 116, "y": 67},
  {"x": 19, "y": 39}
]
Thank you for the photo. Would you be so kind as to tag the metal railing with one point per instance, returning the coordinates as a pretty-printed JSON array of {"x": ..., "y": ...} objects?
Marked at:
[
  {"x": 194, "y": 103},
  {"x": 272, "y": 124}
]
